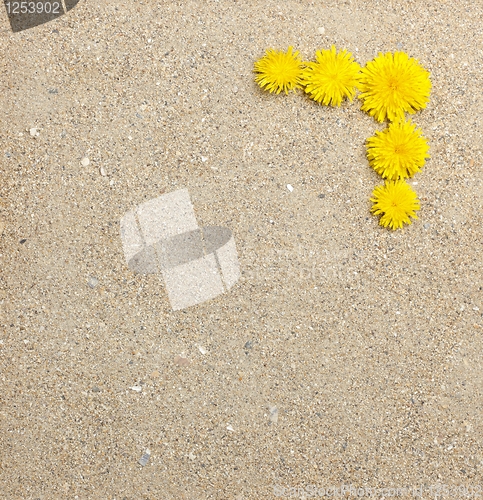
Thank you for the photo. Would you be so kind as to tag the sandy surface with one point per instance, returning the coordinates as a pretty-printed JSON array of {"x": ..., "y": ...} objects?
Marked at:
[{"x": 368, "y": 342}]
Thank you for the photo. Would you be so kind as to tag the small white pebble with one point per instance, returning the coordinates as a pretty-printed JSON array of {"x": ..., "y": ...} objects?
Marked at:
[
  {"x": 273, "y": 414},
  {"x": 321, "y": 30},
  {"x": 85, "y": 162},
  {"x": 145, "y": 458},
  {"x": 204, "y": 158},
  {"x": 103, "y": 171},
  {"x": 129, "y": 137},
  {"x": 136, "y": 388},
  {"x": 230, "y": 428},
  {"x": 202, "y": 349},
  {"x": 34, "y": 132},
  {"x": 290, "y": 187},
  {"x": 192, "y": 456}
]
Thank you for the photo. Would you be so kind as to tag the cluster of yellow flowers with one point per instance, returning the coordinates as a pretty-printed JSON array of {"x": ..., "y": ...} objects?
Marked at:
[{"x": 390, "y": 86}]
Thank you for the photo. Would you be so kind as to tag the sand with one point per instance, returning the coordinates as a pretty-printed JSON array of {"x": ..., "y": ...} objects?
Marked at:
[{"x": 346, "y": 354}]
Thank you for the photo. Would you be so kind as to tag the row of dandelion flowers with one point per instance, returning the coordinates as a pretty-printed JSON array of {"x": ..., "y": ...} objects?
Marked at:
[{"x": 390, "y": 86}]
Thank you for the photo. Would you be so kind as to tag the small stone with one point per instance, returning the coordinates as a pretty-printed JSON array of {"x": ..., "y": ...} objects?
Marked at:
[
  {"x": 103, "y": 171},
  {"x": 192, "y": 456},
  {"x": 290, "y": 187},
  {"x": 427, "y": 225},
  {"x": 145, "y": 458},
  {"x": 249, "y": 344},
  {"x": 273, "y": 414},
  {"x": 181, "y": 361},
  {"x": 136, "y": 388},
  {"x": 230, "y": 428},
  {"x": 321, "y": 196},
  {"x": 85, "y": 162},
  {"x": 204, "y": 158},
  {"x": 92, "y": 282},
  {"x": 202, "y": 349},
  {"x": 96, "y": 389},
  {"x": 155, "y": 374},
  {"x": 321, "y": 30},
  {"x": 34, "y": 132},
  {"x": 22, "y": 241}
]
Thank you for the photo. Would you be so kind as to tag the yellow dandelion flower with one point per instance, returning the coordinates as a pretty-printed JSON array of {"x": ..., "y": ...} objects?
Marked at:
[
  {"x": 393, "y": 84},
  {"x": 396, "y": 201},
  {"x": 332, "y": 78},
  {"x": 397, "y": 152},
  {"x": 279, "y": 71}
]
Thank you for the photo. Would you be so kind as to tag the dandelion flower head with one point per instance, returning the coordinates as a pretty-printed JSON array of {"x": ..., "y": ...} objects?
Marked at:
[
  {"x": 397, "y": 152},
  {"x": 332, "y": 78},
  {"x": 393, "y": 84},
  {"x": 279, "y": 71},
  {"x": 396, "y": 202}
]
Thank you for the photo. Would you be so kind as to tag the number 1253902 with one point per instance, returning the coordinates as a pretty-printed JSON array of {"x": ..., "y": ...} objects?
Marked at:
[{"x": 34, "y": 8}]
